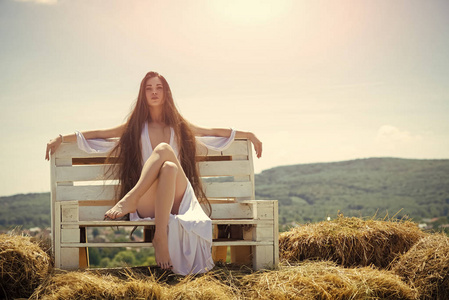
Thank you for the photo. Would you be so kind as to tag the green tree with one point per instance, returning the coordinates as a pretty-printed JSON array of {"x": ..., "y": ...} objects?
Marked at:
[{"x": 124, "y": 258}]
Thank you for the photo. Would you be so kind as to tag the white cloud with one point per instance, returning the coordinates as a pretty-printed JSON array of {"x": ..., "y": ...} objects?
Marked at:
[
  {"x": 388, "y": 134},
  {"x": 392, "y": 141},
  {"x": 46, "y": 2}
]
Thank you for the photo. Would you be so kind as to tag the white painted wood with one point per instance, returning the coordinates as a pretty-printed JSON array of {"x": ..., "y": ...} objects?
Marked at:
[
  {"x": 240, "y": 157},
  {"x": 264, "y": 210},
  {"x": 92, "y": 213},
  {"x": 238, "y": 147},
  {"x": 69, "y": 213},
  {"x": 69, "y": 150},
  {"x": 143, "y": 244},
  {"x": 201, "y": 150},
  {"x": 70, "y": 235},
  {"x": 252, "y": 178},
  {"x": 276, "y": 233},
  {"x": 232, "y": 211},
  {"x": 263, "y": 232},
  {"x": 219, "y": 211},
  {"x": 227, "y": 189},
  {"x": 146, "y": 223},
  {"x": 105, "y": 192},
  {"x": 56, "y": 243},
  {"x": 88, "y": 192},
  {"x": 224, "y": 168},
  {"x": 242, "y": 243},
  {"x": 263, "y": 257},
  {"x": 52, "y": 201},
  {"x": 66, "y": 161},
  {"x": 82, "y": 173},
  {"x": 70, "y": 258}
]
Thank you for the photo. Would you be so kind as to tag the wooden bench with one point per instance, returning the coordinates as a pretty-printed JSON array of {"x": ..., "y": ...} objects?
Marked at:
[{"x": 80, "y": 195}]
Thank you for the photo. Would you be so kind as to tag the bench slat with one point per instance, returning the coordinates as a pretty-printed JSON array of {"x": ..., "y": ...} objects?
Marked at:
[
  {"x": 142, "y": 244},
  {"x": 82, "y": 173},
  {"x": 238, "y": 147},
  {"x": 228, "y": 189},
  {"x": 149, "y": 223},
  {"x": 87, "y": 192},
  {"x": 219, "y": 211},
  {"x": 224, "y": 168},
  {"x": 105, "y": 192},
  {"x": 70, "y": 150},
  {"x": 97, "y": 172}
]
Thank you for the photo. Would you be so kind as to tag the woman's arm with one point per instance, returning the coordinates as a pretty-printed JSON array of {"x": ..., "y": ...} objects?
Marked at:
[
  {"x": 92, "y": 134},
  {"x": 224, "y": 132}
]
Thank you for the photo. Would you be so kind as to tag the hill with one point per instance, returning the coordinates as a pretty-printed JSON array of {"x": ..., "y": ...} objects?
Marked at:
[
  {"x": 27, "y": 210},
  {"x": 312, "y": 192},
  {"x": 362, "y": 187}
]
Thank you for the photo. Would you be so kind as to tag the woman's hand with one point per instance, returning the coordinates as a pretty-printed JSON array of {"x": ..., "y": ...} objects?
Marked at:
[
  {"x": 257, "y": 144},
  {"x": 52, "y": 146}
]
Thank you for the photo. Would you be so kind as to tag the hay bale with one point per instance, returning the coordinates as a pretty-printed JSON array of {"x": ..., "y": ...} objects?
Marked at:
[
  {"x": 87, "y": 285},
  {"x": 23, "y": 266},
  {"x": 426, "y": 266},
  {"x": 204, "y": 287},
  {"x": 130, "y": 285},
  {"x": 325, "y": 280},
  {"x": 349, "y": 241}
]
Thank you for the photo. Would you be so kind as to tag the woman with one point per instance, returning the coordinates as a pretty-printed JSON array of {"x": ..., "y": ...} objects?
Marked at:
[{"x": 157, "y": 173}]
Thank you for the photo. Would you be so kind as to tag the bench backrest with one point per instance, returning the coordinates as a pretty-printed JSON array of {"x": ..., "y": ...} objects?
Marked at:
[{"x": 79, "y": 176}]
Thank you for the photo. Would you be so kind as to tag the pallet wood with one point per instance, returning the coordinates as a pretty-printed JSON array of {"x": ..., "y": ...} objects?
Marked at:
[{"x": 81, "y": 193}]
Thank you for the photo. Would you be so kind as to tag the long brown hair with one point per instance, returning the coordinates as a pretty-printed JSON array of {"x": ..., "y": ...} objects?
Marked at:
[{"x": 129, "y": 152}]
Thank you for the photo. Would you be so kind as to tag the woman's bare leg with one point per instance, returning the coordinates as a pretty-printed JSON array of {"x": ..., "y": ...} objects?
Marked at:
[
  {"x": 163, "y": 167},
  {"x": 150, "y": 172},
  {"x": 165, "y": 196}
]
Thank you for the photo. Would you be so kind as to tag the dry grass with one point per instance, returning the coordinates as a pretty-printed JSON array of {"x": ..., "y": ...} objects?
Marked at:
[
  {"x": 309, "y": 280},
  {"x": 85, "y": 285},
  {"x": 23, "y": 266},
  {"x": 350, "y": 241},
  {"x": 205, "y": 287},
  {"x": 91, "y": 285},
  {"x": 423, "y": 271},
  {"x": 325, "y": 280},
  {"x": 426, "y": 266}
]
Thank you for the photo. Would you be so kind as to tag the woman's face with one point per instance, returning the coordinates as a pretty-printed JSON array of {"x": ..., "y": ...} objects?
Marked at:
[{"x": 154, "y": 92}]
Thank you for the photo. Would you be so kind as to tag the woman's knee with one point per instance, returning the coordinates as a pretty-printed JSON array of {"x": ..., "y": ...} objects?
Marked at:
[
  {"x": 163, "y": 148},
  {"x": 169, "y": 168},
  {"x": 165, "y": 151}
]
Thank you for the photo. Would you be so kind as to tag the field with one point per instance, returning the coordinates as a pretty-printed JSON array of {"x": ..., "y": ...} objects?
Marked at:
[{"x": 345, "y": 258}]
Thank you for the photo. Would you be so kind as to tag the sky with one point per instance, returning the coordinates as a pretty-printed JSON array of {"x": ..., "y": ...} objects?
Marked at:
[{"x": 315, "y": 80}]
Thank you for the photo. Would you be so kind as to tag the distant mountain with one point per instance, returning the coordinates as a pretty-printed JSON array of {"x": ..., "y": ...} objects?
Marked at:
[
  {"x": 26, "y": 210},
  {"x": 362, "y": 187},
  {"x": 312, "y": 192}
]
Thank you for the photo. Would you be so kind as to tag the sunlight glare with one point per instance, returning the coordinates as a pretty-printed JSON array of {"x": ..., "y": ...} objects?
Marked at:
[{"x": 250, "y": 11}]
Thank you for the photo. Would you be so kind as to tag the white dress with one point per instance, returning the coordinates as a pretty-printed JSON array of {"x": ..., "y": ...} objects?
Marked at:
[{"x": 190, "y": 231}]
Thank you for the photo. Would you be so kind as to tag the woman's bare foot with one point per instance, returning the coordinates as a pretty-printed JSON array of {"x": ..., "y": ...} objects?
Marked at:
[
  {"x": 161, "y": 253},
  {"x": 123, "y": 207}
]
